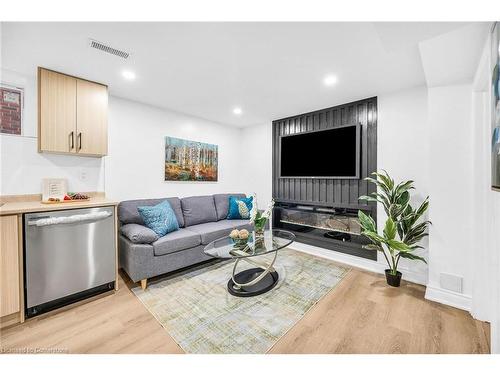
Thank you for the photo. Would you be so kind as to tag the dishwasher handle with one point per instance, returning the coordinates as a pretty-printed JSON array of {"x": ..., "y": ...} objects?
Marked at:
[{"x": 56, "y": 220}]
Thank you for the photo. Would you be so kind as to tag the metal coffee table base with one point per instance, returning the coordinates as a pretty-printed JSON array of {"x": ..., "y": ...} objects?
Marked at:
[
  {"x": 264, "y": 285},
  {"x": 253, "y": 281}
]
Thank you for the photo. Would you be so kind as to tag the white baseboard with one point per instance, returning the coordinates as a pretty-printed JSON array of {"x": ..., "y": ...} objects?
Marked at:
[
  {"x": 366, "y": 264},
  {"x": 447, "y": 297}
]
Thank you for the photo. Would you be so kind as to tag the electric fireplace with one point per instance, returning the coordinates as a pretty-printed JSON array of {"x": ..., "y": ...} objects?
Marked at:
[{"x": 328, "y": 227}]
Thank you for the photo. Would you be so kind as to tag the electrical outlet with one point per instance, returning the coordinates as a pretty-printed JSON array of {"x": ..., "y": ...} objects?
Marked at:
[
  {"x": 451, "y": 282},
  {"x": 83, "y": 175}
]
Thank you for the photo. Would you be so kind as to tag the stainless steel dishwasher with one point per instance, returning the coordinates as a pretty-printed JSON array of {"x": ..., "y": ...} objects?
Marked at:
[{"x": 69, "y": 255}]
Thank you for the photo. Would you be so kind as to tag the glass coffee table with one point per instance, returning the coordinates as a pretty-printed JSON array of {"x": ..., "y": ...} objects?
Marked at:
[{"x": 261, "y": 278}]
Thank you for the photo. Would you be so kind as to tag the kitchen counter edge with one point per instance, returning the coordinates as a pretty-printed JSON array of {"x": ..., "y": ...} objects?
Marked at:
[{"x": 15, "y": 208}]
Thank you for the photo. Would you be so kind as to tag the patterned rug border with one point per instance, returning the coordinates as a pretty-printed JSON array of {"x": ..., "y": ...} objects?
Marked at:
[{"x": 158, "y": 279}]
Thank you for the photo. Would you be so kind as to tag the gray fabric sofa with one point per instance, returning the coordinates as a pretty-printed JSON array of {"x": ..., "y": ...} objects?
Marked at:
[{"x": 202, "y": 219}]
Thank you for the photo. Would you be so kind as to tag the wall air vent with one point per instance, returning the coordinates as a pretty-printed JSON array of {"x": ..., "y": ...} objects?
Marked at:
[{"x": 108, "y": 49}]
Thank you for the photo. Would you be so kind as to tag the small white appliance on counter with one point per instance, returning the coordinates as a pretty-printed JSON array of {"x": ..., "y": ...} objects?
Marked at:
[{"x": 69, "y": 255}]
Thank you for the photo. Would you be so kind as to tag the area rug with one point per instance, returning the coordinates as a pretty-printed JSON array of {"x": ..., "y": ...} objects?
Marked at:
[{"x": 202, "y": 317}]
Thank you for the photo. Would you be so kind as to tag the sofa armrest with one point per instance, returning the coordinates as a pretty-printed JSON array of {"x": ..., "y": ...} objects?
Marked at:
[
  {"x": 134, "y": 258},
  {"x": 137, "y": 233}
]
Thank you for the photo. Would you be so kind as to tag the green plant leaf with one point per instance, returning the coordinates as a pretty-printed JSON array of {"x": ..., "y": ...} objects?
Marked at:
[
  {"x": 390, "y": 229},
  {"x": 423, "y": 207},
  {"x": 368, "y": 198},
  {"x": 395, "y": 211},
  {"x": 367, "y": 223},
  {"x": 385, "y": 179},
  {"x": 383, "y": 187},
  {"x": 403, "y": 187},
  {"x": 411, "y": 256},
  {"x": 384, "y": 199},
  {"x": 374, "y": 237},
  {"x": 416, "y": 233},
  {"x": 416, "y": 247},
  {"x": 399, "y": 226},
  {"x": 413, "y": 240},
  {"x": 398, "y": 245},
  {"x": 373, "y": 247},
  {"x": 417, "y": 213},
  {"x": 403, "y": 199}
]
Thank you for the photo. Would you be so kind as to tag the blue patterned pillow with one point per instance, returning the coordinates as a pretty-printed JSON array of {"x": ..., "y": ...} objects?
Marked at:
[
  {"x": 239, "y": 208},
  {"x": 160, "y": 218}
]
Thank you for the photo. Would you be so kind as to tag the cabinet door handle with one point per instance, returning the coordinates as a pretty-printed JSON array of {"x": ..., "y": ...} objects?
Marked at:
[
  {"x": 72, "y": 144},
  {"x": 79, "y": 141}
]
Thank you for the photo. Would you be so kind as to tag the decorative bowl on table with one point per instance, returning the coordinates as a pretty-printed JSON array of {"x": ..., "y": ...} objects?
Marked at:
[{"x": 240, "y": 237}]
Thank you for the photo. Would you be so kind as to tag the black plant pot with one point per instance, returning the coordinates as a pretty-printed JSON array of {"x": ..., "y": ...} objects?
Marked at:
[{"x": 393, "y": 280}]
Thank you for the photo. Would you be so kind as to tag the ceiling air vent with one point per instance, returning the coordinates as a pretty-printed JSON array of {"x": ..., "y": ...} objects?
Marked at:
[{"x": 108, "y": 49}]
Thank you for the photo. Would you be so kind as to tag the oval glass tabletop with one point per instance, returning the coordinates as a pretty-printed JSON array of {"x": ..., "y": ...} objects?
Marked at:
[{"x": 273, "y": 240}]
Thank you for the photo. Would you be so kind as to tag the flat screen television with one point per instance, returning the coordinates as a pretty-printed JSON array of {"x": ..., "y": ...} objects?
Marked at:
[{"x": 328, "y": 153}]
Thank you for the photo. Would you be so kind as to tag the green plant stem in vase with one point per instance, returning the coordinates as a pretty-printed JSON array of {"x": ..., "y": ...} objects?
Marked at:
[
  {"x": 259, "y": 219},
  {"x": 260, "y": 224}
]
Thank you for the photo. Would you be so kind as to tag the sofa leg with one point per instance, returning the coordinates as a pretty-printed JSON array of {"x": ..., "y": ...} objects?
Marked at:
[{"x": 144, "y": 283}]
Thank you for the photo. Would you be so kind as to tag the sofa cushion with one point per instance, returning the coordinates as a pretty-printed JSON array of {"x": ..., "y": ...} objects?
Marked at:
[
  {"x": 240, "y": 208},
  {"x": 197, "y": 210},
  {"x": 222, "y": 204},
  {"x": 160, "y": 218},
  {"x": 128, "y": 214},
  {"x": 175, "y": 241},
  {"x": 212, "y": 231},
  {"x": 138, "y": 233}
]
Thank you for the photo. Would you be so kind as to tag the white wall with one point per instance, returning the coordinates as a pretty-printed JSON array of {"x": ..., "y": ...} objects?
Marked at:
[
  {"x": 257, "y": 161},
  {"x": 403, "y": 151},
  {"x": 135, "y": 165},
  {"x": 451, "y": 158},
  {"x": 22, "y": 168},
  {"x": 482, "y": 301}
]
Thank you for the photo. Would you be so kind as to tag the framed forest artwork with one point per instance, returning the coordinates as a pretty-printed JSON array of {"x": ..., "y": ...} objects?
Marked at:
[
  {"x": 495, "y": 105},
  {"x": 187, "y": 160}
]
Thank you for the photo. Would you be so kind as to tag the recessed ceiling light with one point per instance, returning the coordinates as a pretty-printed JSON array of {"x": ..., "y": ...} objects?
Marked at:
[
  {"x": 237, "y": 111},
  {"x": 330, "y": 80},
  {"x": 128, "y": 75}
]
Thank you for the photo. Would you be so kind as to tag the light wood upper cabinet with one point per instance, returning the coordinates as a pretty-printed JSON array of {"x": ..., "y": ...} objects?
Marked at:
[
  {"x": 9, "y": 266},
  {"x": 72, "y": 115},
  {"x": 92, "y": 118},
  {"x": 57, "y": 111}
]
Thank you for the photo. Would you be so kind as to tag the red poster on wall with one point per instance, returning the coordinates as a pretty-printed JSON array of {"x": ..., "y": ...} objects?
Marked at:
[{"x": 11, "y": 110}]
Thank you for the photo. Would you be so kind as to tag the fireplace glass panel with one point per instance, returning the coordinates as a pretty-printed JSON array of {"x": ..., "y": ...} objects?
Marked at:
[
  {"x": 340, "y": 228},
  {"x": 326, "y": 221}
]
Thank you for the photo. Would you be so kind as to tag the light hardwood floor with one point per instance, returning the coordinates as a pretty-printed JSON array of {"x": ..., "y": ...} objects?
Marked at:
[
  {"x": 361, "y": 315},
  {"x": 364, "y": 315}
]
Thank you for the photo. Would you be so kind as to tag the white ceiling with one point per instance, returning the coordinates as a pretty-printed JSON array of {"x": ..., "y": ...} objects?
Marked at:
[{"x": 270, "y": 70}]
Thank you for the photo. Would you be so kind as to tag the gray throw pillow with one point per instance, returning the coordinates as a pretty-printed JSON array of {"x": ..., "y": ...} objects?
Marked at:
[
  {"x": 138, "y": 233},
  {"x": 198, "y": 210}
]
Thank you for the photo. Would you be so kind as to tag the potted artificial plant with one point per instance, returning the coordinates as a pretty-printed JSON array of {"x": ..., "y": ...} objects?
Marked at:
[{"x": 403, "y": 229}]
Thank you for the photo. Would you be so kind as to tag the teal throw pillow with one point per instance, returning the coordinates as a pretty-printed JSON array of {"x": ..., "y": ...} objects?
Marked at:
[
  {"x": 160, "y": 218},
  {"x": 239, "y": 208}
]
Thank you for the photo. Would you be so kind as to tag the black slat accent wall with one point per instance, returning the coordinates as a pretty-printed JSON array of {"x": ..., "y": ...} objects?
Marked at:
[{"x": 341, "y": 193}]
